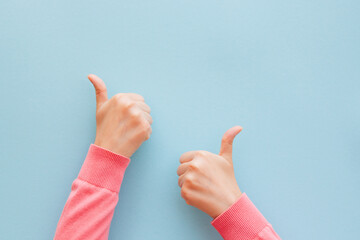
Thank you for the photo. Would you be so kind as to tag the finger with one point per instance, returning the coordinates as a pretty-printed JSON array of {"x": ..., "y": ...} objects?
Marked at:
[
  {"x": 181, "y": 180},
  {"x": 149, "y": 134},
  {"x": 100, "y": 89},
  {"x": 227, "y": 142},
  {"x": 188, "y": 156},
  {"x": 182, "y": 168},
  {"x": 148, "y": 117},
  {"x": 143, "y": 106}
]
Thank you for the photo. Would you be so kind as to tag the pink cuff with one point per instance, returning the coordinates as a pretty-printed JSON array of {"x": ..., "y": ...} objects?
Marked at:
[
  {"x": 241, "y": 221},
  {"x": 104, "y": 168}
]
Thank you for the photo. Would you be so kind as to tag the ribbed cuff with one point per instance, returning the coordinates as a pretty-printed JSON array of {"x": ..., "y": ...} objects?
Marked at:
[
  {"x": 104, "y": 168},
  {"x": 241, "y": 221}
]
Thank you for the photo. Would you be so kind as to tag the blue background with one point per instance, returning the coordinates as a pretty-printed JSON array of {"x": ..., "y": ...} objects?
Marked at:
[{"x": 287, "y": 71}]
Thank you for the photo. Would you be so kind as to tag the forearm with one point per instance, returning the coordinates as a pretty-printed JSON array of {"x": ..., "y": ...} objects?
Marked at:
[
  {"x": 94, "y": 194},
  {"x": 244, "y": 221}
]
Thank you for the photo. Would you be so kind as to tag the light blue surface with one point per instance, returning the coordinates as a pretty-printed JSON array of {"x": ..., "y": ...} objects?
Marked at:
[{"x": 287, "y": 71}]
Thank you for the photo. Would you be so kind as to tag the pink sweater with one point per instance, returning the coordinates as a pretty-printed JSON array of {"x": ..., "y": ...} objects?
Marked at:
[{"x": 94, "y": 194}]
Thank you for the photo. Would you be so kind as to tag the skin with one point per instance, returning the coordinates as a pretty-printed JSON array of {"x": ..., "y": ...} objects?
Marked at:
[
  {"x": 123, "y": 122},
  {"x": 207, "y": 180}
]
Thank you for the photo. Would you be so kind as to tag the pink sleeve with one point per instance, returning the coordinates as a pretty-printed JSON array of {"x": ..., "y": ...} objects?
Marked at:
[
  {"x": 94, "y": 194},
  {"x": 244, "y": 221}
]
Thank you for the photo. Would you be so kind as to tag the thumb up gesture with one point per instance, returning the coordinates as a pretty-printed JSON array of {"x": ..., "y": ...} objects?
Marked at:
[
  {"x": 207, "y": 180},
  {"x": 123, "y": 122}
]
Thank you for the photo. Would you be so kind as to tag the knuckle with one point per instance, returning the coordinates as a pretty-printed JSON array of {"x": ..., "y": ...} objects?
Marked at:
[
  {"x": 135, "y": 115},
  {"x": 140, "y": 97},
  {"x": 99, "y": 114},
  {"x": 179, "y": 182},
  {"x": 119, "y": 96},
  {"x": 120, "y": 99},
  {"x": 128, "y": 104},
  {"x": 145, "y": 126},
  {"x": 144, "y": 129},
  {"x": 185, "y": 193},
  {"x": 194, "y": 166},
  {"x": 147, "y": 137},
  {"x": 136, "y": 96},
  {"x": 148, "y": 134},
  {"x": 188, "y": 183},
  {"x": 123, "y": 101},
  {"x": 150, "y": 120},
  {"x": 189, "y": 180},
  {"x": 200, "y": 154}
]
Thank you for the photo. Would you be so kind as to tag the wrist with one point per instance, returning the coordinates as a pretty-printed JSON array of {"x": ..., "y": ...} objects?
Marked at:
[
  {"x": 230, "y": 199},
  {"x": 113, "y": 147},
  {"x": 235, "y": 195}
]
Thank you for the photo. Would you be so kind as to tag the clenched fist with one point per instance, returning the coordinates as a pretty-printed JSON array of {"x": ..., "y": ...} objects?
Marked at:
[
  {"x": 207, "y": 180},
  {"x": 123, "y": 122}
]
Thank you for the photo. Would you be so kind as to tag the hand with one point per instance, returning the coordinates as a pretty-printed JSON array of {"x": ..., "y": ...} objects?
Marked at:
[
  {"x": 123, "y": 122},
  {"x": 207, "y": 180}
]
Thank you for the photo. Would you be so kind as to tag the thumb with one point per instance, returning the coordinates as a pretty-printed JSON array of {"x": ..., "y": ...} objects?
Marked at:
[
  {"x": 227, "y": 142},
  {"x": 100, "y": 89}
]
